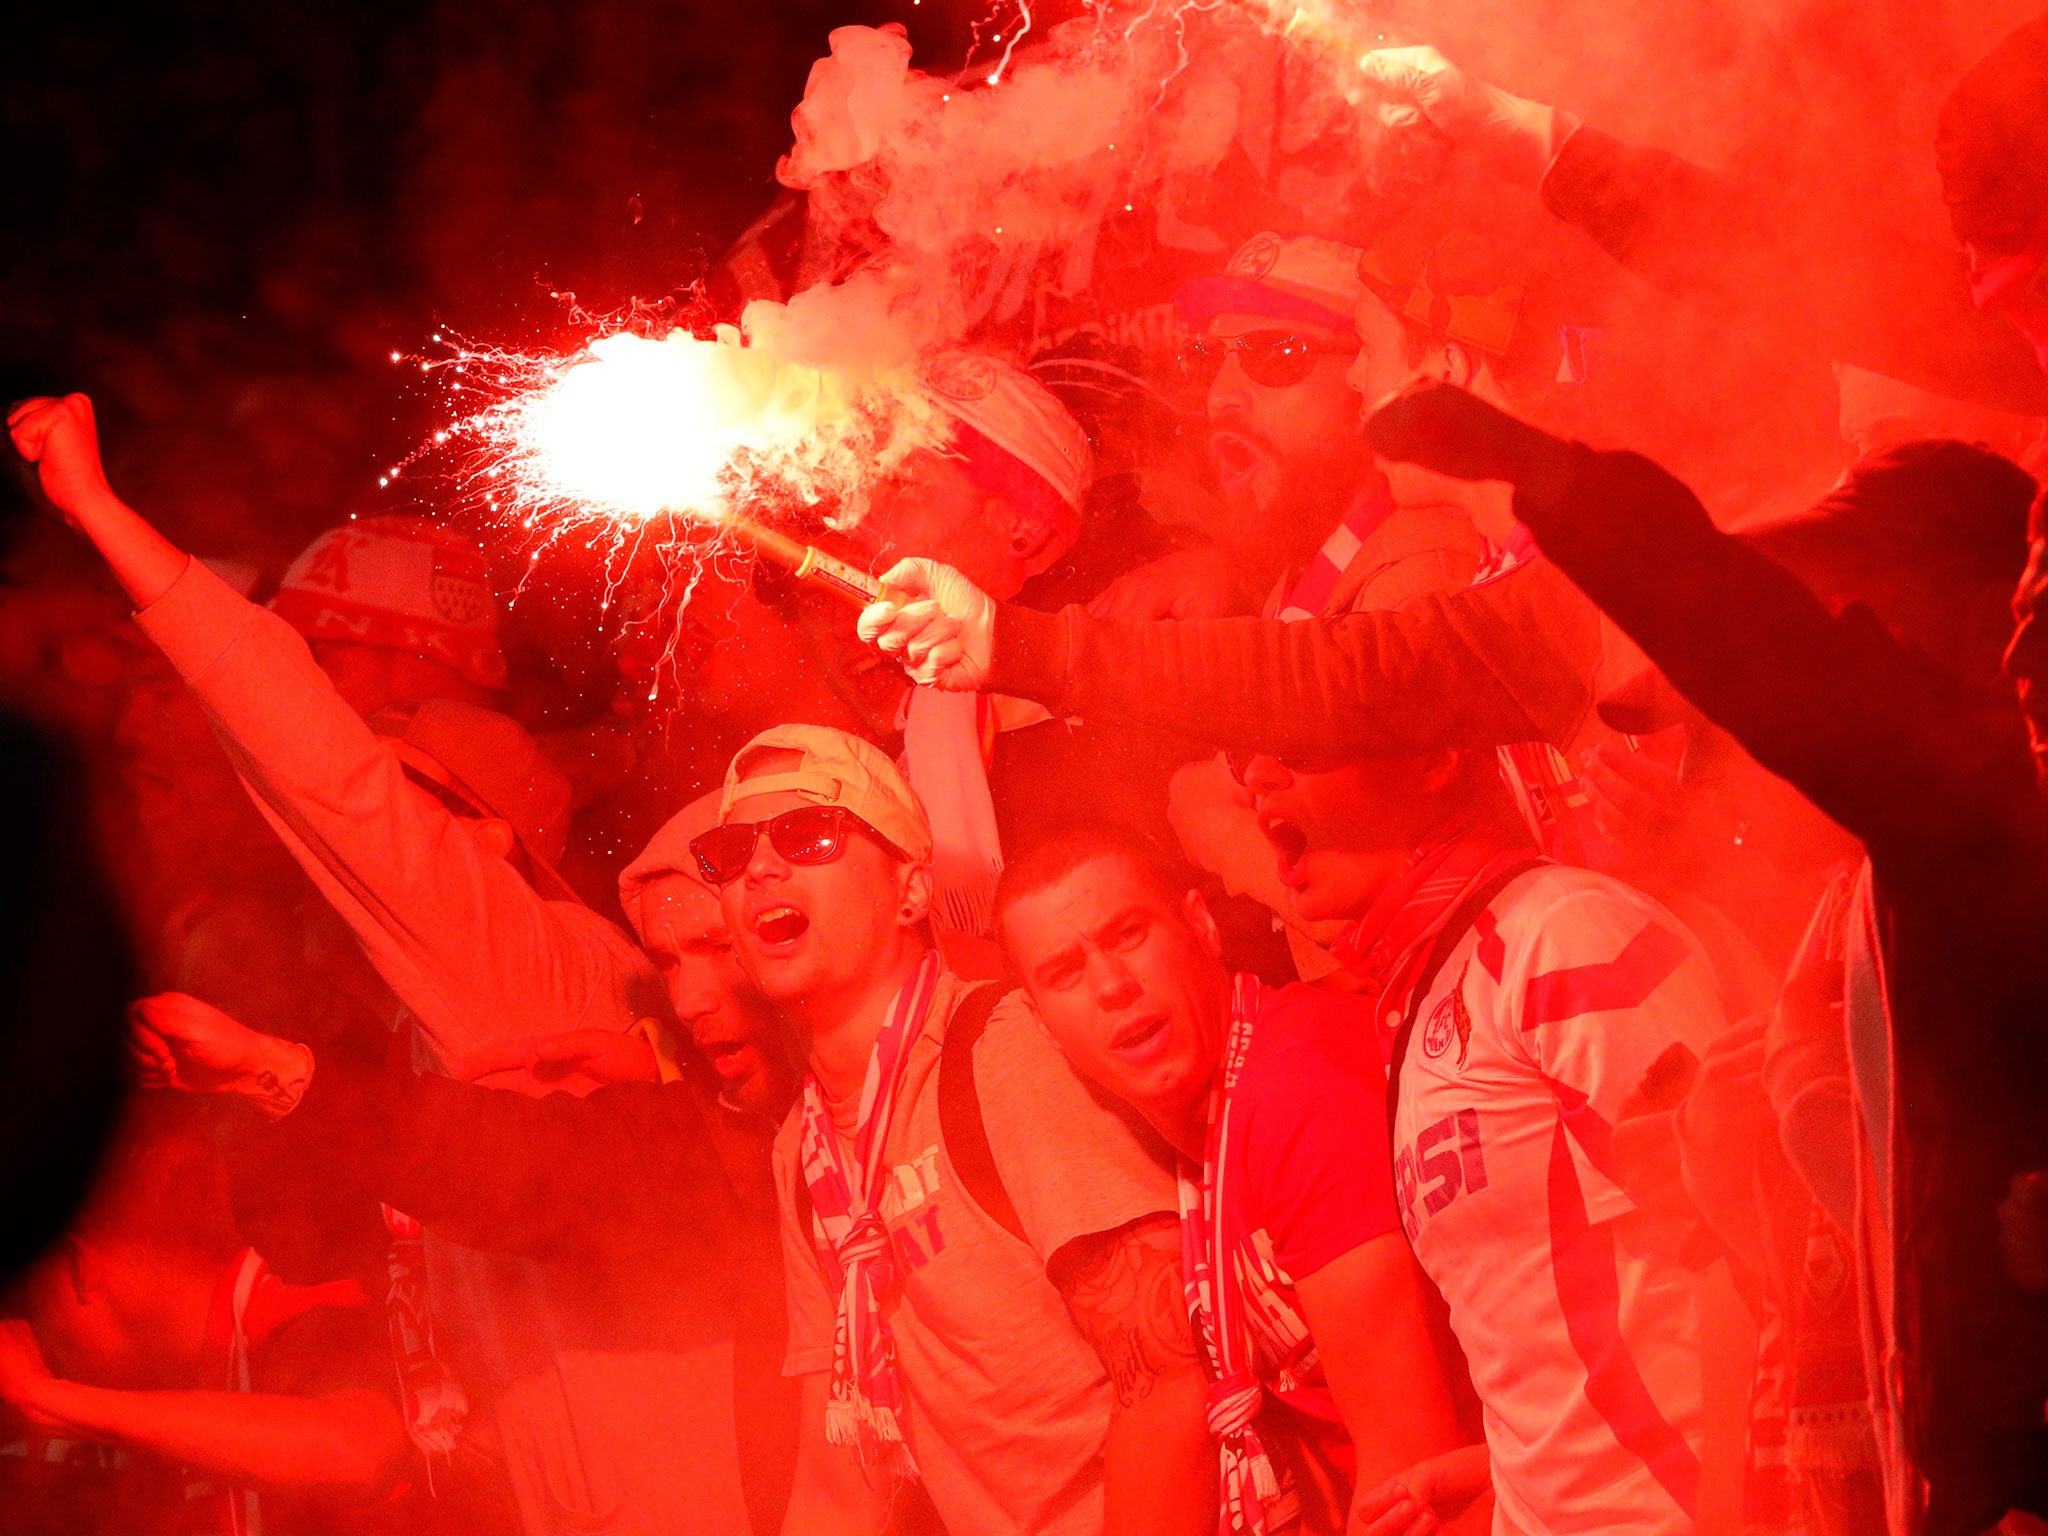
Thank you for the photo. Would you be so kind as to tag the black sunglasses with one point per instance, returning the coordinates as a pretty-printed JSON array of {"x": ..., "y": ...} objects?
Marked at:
[
  {"x": 810, "y": 834},
  {"x": 1240, "y": 764},
  {"x": 1274, "y": 359}
]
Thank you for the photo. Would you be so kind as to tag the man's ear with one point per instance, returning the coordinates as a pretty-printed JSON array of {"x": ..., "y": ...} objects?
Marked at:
[
  {"x": 1445, "y": 360},
  {"x": 82, "y": 1270},
  {"x": 914, "y": 902},
  {"x": 1195, "y": 912}
]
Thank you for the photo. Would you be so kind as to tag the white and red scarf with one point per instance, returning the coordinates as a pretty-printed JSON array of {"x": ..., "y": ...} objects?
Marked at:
[
  {"x": 864, "y": 1408},
  {"x": 1211, "y": 1228},
  {"x": 430, "y": 1393},
  {"x": 1312, "y": 590}
]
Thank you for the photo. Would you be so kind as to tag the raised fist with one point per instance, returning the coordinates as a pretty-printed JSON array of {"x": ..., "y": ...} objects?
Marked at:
[
  {"x": 58, "y": 436},
  {"x": 179, "y": 1042},
  {"x": 1420, "y": 88}
]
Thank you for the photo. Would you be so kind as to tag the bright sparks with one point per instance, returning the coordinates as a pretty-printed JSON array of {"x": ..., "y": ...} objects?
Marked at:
[
  {"x": 639, "y": 426},
  {"x": 636, "y": 430},
  {"x": 634, "y": 451}
]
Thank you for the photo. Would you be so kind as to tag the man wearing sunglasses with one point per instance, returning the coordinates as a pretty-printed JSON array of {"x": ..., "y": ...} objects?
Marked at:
[
  {"x": 1001, "y": 495},
  {"x": 981, "y": 1258},
  {"x": 1289, "y": 341}
]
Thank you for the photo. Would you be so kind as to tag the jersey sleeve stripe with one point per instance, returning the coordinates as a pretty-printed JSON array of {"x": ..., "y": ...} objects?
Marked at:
[
  {"x": 1623, "y": 982},
  {"x": 1588, "y": 1290},
  {"x": 1587, "y": 1127}
]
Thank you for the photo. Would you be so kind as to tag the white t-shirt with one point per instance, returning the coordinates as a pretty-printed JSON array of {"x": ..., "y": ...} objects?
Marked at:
[
  {"x": 1006, "y": 1403},
  {"x": 1584, "y": 1347}
]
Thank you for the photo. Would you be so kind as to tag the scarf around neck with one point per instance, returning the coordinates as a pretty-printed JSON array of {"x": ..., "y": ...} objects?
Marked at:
[
  {"x": 1211, "y": 1227},
  {"x": 1387, "y": 948},
  {"x": 1313, "y": 589},
  {"x": 864, "y": 1408}
]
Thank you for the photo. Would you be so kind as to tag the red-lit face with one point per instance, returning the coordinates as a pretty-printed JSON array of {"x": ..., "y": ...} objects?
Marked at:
[
  {"x": 932, "y": 508},
  {"x": 1279, "y": 445},
  {"x": 811, "y": 933},
  {"x": 1130, "y": 982},
  {"x": 1340, "y": 836},
  {"x": 731, "y": 1023}
]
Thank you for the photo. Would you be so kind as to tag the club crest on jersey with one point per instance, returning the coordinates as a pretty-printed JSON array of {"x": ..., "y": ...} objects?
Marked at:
[{"x": 1449, "y": 1020}]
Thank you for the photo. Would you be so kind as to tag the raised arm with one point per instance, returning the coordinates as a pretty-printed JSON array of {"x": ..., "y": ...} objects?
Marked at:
[
  {"x": 1123, "y": 1290},
  {"x": 1781, "y": 259},
  {"x": 1873, "y": 732},
  {"x": 630, "y": 1167},
  {"x": 60, "y": 437},
  {"x": 1856, "y": 293},
  {"x": 460, "y": 935}
]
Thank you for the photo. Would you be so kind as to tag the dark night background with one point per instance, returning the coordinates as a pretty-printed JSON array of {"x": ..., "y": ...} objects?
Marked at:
[{"x": 225, "y": 217}]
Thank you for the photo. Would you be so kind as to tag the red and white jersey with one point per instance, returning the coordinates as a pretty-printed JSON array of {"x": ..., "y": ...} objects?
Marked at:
[{"x": 1583, "y": 1347}]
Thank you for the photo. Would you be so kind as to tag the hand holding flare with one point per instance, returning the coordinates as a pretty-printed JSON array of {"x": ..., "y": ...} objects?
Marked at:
[
  {"x": 809, "y": 563},
  {"x": 935, "y": 621}
]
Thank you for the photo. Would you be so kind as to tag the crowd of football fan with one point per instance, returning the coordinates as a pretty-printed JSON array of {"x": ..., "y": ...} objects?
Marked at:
[{"x": 1326, "y": 958}]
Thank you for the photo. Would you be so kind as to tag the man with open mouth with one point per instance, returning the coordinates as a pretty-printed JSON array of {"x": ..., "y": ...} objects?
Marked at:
[
  {"x": 651, "y": 1167},
  {"x": 981, "y": 1258},
  {"x": 1521, "y": 1005},
  {"x": 1316, "y": 1318},
  {"x": 1290, "y": 339}
]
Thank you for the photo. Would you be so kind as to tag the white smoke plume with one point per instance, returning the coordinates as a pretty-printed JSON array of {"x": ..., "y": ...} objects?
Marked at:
[{"x": 963, "y": 192}]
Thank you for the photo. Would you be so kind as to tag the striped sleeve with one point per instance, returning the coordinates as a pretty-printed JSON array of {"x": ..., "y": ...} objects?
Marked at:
[{"x": 1603, "y": 984}]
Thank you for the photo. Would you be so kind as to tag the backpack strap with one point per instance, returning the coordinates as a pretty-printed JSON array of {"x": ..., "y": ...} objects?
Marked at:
[
  {"x": 1453, "y": 932},
  {"x": 960, "y": 1124}
]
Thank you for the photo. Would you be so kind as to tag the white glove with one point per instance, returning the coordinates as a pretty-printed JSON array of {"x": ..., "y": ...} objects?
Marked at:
[
  {"x": 1419, "y": 86},
  {"x": 940, "y": 625}
]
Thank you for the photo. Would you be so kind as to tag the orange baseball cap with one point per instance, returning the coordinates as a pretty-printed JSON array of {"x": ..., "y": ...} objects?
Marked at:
[{"x": 835, "y": 768}]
